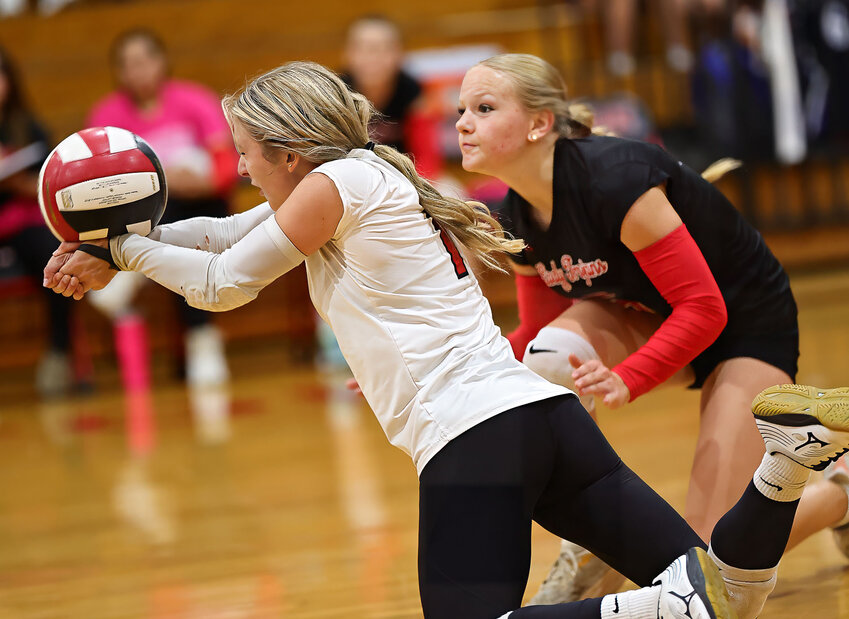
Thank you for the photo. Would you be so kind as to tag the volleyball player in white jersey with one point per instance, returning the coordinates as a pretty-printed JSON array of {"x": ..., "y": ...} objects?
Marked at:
[{"x": 495, "y": 446}]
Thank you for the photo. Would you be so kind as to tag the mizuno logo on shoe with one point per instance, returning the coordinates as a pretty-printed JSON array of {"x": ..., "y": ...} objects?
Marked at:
[
  {"x": 616, "y": 608},
  {"x": 779, "y": 488},
  {"x": 811, "y": 441},
  {"x": 686, "y": 599},
  {"x": 534, "y": 351}
]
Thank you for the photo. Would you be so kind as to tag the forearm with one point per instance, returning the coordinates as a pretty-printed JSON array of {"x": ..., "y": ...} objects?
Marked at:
[
  {"x": 679, "y": 340},
  {"x": 676, "y": 267},
  {"x": 212, "y": 281},
  {"x": 212, "y": 234}
]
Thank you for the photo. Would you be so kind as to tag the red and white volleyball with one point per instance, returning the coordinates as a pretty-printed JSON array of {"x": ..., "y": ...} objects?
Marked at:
[{"x": 101, "y": 182}]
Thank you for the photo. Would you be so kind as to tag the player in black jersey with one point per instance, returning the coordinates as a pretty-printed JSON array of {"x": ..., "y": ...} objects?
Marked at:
[{"x": 674, "y": 286}]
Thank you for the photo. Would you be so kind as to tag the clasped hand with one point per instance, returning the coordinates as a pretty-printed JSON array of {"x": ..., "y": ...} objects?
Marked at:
[
  {"x": 593, "y": 377},
  {"x": 72, "y": 273}
]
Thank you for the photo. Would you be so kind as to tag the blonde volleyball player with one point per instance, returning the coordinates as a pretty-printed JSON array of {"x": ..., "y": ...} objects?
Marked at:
[
  {"x": 621, "y": 226},
  {"x": 495, "y": 445}
]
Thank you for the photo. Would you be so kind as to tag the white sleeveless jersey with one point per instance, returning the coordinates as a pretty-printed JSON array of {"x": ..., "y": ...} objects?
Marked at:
[{"x": 411, "y": 321}]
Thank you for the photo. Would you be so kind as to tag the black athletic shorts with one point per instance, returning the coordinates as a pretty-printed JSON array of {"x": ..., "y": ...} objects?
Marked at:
[{"x": 772, "y": 337}]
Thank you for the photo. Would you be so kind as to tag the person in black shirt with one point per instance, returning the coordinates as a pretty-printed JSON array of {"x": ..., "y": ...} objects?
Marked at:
[
  {"x": 637, "y": 272},
  {"x": 373, "y": 59}
]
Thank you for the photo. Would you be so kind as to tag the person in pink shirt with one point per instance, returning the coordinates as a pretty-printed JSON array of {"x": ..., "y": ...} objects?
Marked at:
[
  {"x": 24, "y": 144},
  {"x": 184, "y": 124}
]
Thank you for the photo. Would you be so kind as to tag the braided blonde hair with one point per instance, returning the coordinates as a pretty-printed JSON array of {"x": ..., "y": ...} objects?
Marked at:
[{"x": 305, "y": 108}]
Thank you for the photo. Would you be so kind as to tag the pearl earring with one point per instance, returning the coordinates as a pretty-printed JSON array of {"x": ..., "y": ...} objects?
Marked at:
[{"x": 532, "y": 137}]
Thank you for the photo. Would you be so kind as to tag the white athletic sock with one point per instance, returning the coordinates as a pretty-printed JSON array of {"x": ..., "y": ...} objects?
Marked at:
[
  {"x": 780, "y": 479},
  {"x": 638, "y": 604},
  {"x": 748, "y": 589}
]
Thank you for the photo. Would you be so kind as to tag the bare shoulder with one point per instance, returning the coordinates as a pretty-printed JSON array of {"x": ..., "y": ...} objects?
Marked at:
[
  {"x": 649, "y": 219},
  {"x": 317, "y": 185},
  {"x": 317, "y": 194},
  {"x": 311, "y": 214}
]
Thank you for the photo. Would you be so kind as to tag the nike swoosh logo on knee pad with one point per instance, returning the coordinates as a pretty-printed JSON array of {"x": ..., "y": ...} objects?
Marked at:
[{"x": 534, "y": 351}]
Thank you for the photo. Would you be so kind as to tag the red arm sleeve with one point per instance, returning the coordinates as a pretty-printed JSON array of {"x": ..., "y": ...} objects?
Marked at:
[
  {"x": 421, "y": 137},
  {"x": 676, "y": 267},
  {"x": 538, "y": 306},
  {"x": 224, "y": 164}
]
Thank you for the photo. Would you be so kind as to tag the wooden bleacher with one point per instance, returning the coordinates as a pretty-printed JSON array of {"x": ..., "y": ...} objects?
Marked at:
[{"x": 64, "y": 58}]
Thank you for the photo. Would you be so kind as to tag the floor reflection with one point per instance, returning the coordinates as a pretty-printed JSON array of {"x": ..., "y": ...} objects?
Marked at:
[
  {"x": 358, "y": 484},
  {"x": 280, "y": 496}
]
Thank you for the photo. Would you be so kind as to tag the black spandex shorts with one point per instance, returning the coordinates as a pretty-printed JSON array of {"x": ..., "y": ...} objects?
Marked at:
[
  {"x": 546, "y": 461},
  {"x": 779, "y": 348},
  {"x": 767, "y": 331}
]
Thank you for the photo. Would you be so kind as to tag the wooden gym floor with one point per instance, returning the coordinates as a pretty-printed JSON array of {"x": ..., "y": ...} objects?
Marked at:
[{"x": 282, "y": 498}]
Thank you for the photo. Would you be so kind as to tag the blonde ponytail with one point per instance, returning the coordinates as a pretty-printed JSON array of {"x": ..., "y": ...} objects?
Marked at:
[
  {"x": 720, "y": 168},
  {"x": 469, "y": 223},
  {"x": 303, "y": 107}
]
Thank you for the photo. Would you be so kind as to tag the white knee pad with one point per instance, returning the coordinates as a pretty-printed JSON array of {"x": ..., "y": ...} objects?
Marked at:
[
  {"x": 748, "y": 589},
  {"x": 548, "y": 355},
  {"x": 116, "y": 299}
]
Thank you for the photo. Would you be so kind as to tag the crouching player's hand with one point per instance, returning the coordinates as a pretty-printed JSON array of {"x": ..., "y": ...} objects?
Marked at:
[{"x": 593, "y": 377}]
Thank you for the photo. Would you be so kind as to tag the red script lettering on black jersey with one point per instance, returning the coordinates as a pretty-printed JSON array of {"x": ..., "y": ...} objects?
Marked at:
[{"x": 570, "y": 272}]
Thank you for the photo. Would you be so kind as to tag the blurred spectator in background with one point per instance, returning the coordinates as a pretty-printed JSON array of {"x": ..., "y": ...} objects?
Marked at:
[
  {"x": 184, "y": 124},
  {"x": 18, "y": 7},
  {"x": 620, "y": 22},
  {"x": 731, "y": 85},
  {"x": 24, "y": 146},
  {"x": 626, "y": 116},
  {"x": 373, "y": 56},
  {"x": 821, "y": 35},
  {"x": 746, "y": 84}
]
